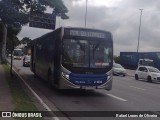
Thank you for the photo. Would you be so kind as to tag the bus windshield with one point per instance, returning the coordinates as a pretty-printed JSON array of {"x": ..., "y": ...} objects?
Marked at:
[{"x": 87, "y": 53}]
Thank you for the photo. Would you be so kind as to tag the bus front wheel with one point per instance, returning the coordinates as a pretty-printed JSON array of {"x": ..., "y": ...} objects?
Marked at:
[
  {"x": 35, "y": 74},
  {"x": 50, "y": 79}
]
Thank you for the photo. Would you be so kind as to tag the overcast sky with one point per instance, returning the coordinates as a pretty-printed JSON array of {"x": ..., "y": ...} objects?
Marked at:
[{"x": 120, "y": 17}]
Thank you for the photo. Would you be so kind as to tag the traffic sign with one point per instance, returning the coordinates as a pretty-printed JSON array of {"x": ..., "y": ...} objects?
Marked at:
[{"x": 42, "y": 20}]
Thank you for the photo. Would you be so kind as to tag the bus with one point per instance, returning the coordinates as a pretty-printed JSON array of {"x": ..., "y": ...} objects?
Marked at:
[
  {"x": 17, "y": 54},
  {"x": 74, "y": 58}
]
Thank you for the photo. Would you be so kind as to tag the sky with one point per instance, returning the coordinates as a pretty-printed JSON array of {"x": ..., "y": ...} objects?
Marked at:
[{"x": 120, "y": 17}]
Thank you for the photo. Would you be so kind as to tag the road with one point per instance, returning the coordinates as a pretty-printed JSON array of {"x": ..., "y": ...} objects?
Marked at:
[{"x": 127, "y": 94}]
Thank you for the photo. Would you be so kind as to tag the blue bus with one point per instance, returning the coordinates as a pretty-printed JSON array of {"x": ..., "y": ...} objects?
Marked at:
[{"x": 74, "y": 58}]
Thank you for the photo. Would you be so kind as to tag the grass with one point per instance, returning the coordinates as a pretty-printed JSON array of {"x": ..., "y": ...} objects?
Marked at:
[{"x": 21, "y": 100}]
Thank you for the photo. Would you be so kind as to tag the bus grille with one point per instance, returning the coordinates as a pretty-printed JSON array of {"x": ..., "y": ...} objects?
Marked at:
[{"x": 88, "y": 79}]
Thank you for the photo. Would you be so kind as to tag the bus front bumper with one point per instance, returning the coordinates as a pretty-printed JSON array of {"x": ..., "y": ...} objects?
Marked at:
[{"x": 67, "y": 84}]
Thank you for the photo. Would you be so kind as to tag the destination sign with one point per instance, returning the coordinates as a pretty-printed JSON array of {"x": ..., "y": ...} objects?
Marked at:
[
  {"x": 84, "y": 33},
  {"x": 42, "y": 20}
]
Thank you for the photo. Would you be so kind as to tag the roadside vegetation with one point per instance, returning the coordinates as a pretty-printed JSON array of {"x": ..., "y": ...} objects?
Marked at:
[{"x": 21, "y": 100}]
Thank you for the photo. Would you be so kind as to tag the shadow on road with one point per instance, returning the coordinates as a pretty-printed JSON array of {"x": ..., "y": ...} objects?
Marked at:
[
  {"x": 45, "y": 86},
  {"x": 153, "y": 82}
]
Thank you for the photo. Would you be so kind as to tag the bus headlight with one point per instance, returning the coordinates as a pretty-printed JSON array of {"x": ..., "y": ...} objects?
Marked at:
[
  {"x": 65, "y": 75},
  {"x": 109, "y": 76}
]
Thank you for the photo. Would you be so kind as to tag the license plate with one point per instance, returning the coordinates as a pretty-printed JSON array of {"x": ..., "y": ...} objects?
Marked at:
[{"x": 88, "y": 87}]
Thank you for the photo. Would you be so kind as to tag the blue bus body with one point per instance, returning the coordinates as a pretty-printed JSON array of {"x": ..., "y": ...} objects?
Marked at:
[
  {"x": 74, "y": 58},
  {"x": 130, "y": 59}
]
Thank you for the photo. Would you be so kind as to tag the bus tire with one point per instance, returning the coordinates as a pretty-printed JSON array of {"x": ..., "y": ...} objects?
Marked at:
[
  {"x": 50, "y": 78},
  {"x": 35, "y": 74}
]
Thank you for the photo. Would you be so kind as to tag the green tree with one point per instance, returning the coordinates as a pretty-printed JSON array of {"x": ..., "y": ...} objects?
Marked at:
[
  {"x": 15, "y": 13},
  {"x": 12, "y": 32},
  {"x": 26, "y": 40},
  {"x": 116, "y": 59},
  {"x": 12, "y": 40},
  {"x": 12, "y": 43}
]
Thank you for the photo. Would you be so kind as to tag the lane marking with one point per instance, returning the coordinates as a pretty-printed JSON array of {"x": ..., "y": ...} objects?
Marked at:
[
  {"x": 36, "y": 95},
  {"x": 117, "y": 97},
  {"x": 138, "y": 88}
]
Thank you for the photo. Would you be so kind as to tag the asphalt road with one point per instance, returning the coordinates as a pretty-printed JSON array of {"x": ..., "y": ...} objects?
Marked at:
[{"x": 127, "y": 94}]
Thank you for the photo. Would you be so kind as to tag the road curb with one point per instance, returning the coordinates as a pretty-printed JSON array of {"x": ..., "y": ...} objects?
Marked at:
[{"x": 15, "y": 70}]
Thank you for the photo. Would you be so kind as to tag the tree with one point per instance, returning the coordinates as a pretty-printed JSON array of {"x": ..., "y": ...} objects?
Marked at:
[
  {"x": 15, "y": 13},
  {"x": 26, "y": 41},
  {"x": 12, "y": 43},
  {"x": 27, "y": 45},
  {"x": 116, "y": 59},
  {"x": 11, "y": 38}
]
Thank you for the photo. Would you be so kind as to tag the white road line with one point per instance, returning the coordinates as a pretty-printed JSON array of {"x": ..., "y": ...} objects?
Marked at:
[
  {"x": 137, "y": 88},
  {"x": 116, "y": 97},
  {"x": 36, "y": 95}
]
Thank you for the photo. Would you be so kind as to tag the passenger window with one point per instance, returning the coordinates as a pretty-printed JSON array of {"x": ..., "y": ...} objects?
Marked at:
[
  {"x": 140, "y": 69},
  {"x": 145, "y": 70}
]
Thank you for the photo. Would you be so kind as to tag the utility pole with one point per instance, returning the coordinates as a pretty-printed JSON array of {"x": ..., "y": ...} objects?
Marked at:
[
  {"x": 86, "y": 13},
  {"x": 12, "y": 49},
  {"x": 1, "y": 42},
  {"x": 141, "y": 10}
]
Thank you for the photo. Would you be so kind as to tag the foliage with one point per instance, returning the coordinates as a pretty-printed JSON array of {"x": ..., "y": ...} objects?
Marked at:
[
  {"x": 10, "y": 14},
  {"x": 10, "y": 46},
  {"x": 116, "y": 59},
  {"x": 26, "y": 40},
  {"x": 12, "y": 31},
  {"x": 16, "y": 12},
  {"x": 11, "y": 35}
]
